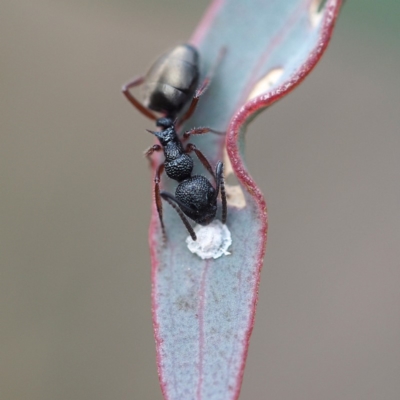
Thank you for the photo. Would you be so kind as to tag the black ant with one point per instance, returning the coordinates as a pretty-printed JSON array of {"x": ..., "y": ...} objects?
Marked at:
[{"x": 167, "y": 88}]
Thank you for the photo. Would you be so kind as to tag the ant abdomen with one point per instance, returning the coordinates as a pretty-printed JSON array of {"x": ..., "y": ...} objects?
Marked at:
[{"x": 172, "y": 80}]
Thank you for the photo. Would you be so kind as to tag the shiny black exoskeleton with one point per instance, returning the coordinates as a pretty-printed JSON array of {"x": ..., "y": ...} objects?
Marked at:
[
  {"x": 172, "y": 80},
  {"x": 170, "y": 84},
  {"x": 194, "y": 197}
]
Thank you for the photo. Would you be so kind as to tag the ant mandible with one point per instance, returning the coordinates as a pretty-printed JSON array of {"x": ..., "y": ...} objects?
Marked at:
[{"x": 168, "y": 87}]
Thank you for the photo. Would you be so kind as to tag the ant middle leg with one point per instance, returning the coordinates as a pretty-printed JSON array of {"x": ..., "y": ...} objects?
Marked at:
[
  {"x": 200, "y": 131},
  {"x": 149, "y": 152},
  {"x": 157, "y": 198},
  {"x": 157, "y": 178},
  {"x": 136, "y": 103},
  {"x": 191, "y": 147}
]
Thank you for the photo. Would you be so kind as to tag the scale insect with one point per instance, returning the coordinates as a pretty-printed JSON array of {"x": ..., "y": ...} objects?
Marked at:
[{"x": 170, "y": 88}]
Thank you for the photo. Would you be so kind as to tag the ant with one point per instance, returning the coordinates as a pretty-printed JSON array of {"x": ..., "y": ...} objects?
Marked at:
[{"x": 168, "y": 87}]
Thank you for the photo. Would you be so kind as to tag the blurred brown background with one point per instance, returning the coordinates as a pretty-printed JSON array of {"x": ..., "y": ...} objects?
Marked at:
[{"x": 76, "y": 194}]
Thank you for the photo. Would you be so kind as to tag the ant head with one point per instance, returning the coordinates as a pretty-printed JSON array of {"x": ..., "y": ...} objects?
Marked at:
[{"x": 165, "y": 122}]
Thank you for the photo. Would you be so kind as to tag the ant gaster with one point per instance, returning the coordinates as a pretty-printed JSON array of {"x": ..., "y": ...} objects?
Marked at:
[{"x": 168, "y": 87}]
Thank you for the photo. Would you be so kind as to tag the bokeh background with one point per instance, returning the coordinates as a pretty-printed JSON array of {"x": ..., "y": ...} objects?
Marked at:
[{"x": 76, "y": 194}]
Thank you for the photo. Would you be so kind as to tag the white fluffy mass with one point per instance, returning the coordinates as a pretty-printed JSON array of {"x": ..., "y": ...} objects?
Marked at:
[{"x": 212, "y": 241}]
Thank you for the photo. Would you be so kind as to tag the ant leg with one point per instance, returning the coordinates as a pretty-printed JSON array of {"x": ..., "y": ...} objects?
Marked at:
[
  {"x": 157, "y": 176},
  {"x": 200, "y": 131},
  {"x": 191, "y": 147},
  {"x": 156, "y": 147},
  {"x": 220, "y": 184},
  {"x": 148, "y": 153},
  {"x": 203, "y": 87},
  {"x": 137, "y": 104},
  {"x": 157, "y": 197},
  {"x": 195, "y": 100},
  {"x": 173, "y": 203}
]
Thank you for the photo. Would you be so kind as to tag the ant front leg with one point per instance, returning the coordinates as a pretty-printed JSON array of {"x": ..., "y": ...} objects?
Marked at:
[
  {"x": 136, "y": 103},
  {"x": 191, "y": 147},
  {"x": 168, "y": 197},
  {"x": 219, "y": 181}
]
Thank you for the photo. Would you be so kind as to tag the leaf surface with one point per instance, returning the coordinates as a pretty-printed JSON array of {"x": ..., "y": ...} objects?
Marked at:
[{"x": 203, "y": 310}]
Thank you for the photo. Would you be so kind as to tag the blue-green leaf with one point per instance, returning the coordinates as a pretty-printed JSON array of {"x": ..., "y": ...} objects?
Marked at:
[{"x": 203, "y": 310}]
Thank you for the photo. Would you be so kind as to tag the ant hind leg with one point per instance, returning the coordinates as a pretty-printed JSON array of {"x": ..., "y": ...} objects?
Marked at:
[
  {"x": 136, "y": 103},
  {"x": 203, "y": 87}
]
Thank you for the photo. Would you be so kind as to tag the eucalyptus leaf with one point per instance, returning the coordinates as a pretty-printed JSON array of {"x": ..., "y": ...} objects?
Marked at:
[{"x": 203, "y": 310}]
